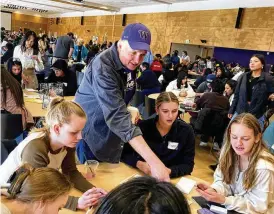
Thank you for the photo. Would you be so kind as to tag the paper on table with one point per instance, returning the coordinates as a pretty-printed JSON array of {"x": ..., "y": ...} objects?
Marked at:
[
  {"x": 185, "y": 185},
  {"x": 32, "y": 100},
  {"x": 189, "y": 202},
  {"x": 35, "y": 96},
  {"x": 30, "y": 89}
]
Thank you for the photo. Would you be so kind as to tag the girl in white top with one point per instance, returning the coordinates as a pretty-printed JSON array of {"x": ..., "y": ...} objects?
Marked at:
[
  {"x": 180, "y": 87},
  {"x": 28, "y": 52},
  {"x": 29, "y": 55},
  {"x": 244, "y": 178},
  {"x": 185, "y": 57}
]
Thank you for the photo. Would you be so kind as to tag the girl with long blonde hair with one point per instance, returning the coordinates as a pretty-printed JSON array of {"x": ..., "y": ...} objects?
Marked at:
[
  {"x": 54, "y": 146},
  {"x": 244, "y": 178}
]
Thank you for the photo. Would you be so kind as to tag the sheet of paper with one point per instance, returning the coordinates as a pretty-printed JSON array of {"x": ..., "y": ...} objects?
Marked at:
[
  {"x": 35, "y": 96},
  {"x": 189, "y": 202},
  {"x": 185, "y": 185},
  {"x": 30, "y": 89}
]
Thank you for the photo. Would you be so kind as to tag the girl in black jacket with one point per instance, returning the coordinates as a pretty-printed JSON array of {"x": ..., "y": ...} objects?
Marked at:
[
  {"x": 252, "y": 90},
  {"x": 172, "y": 140}
]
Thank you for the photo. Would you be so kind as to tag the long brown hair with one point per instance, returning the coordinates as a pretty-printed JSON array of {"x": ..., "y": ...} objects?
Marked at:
[
  {"x": 166, "y": 97},
  {"x": 229, "y": 159},
  {"x": 9, "y": 82},
  {"x": 40, "y": 184}
]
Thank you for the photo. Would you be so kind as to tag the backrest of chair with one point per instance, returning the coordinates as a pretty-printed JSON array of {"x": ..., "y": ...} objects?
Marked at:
[
  {"x": 211, "y": 121},
  {"x": 4, "y": 153},
  {"x": 11, "y": 126},
  {"x": 149, "y": 105},
  {"x": 138, "y": 99}
]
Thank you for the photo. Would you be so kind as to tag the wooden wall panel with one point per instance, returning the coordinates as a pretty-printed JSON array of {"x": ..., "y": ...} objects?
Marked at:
[
  {"x": 271, "y": 18},
  {"x": 227, "y": 18},
  {"x": 215, "y": 26},
  {"x": 256, "y": 39},
  {"x": 34, "y": 23},
  {"x": 257, "y": 18},
  {"x": 224, "y": 37}
]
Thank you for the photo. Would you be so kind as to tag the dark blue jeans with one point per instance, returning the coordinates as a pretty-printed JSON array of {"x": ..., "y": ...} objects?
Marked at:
[{"x": 83, "y": 152}]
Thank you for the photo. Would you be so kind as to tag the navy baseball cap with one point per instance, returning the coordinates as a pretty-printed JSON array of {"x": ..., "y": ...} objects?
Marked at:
[
  {"x": 138, "y": 36},
  {"x": 210, "y": 78}
]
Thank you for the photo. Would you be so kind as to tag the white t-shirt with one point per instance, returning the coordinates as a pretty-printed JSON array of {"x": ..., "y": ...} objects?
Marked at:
[
  {"x": 186, "y": 58},
  {"x": 172, "y": 87}
]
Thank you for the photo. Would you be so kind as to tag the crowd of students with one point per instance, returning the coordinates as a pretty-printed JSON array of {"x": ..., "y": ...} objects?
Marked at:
[{"x": 243, "y": 180}]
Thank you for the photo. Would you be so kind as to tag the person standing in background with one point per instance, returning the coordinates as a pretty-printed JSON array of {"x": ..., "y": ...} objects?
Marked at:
[
  {"x": 185, "y": 57},
  {"x": 80, "y": 51},
  {"x": 28, "y": 52},
  {"x": 64, "y": 47},
  {"x": 252, "y": 91}
]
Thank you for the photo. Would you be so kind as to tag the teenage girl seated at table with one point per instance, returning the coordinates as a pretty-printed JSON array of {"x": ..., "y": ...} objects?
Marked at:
[
  {"x": 61, "y": 74},
  {"x": 144, "y": 195},
  {"x": 14, "y": 67},
  {"x": 180, "y": 87},
  {"x": 244, "y": 178},
  {"x": 54, "y": 146},
  {"x": 171, "y": 139},
  {"x": 12, "y": 98},
  {"x": 42, "y": 190}
]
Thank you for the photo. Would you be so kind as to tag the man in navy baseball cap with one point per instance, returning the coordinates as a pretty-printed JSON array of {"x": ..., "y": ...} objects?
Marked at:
[
  {"x": 138, "y": 36},
  {"x": 133, "y": 45},
  {"x": 104, "y": 93}
]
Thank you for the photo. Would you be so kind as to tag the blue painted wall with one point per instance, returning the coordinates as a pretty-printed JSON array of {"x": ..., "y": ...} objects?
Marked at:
[{"x": 240, "y": 56}]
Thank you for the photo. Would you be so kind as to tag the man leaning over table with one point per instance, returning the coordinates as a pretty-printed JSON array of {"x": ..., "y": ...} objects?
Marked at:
[{"x": 106, "y": 89}]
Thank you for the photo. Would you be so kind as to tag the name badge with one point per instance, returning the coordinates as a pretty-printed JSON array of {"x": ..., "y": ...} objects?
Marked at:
[{"x": 172, "y": 145}]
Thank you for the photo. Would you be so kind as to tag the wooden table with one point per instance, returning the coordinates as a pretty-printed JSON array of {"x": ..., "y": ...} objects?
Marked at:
[
  {"x": 34, "y": 105},
  {"x": 108, "y": 179}
]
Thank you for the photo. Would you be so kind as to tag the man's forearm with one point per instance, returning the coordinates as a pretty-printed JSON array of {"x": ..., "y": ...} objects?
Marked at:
[
  {"x": 140, "y": 146},
  {"x": 70, "y": 52}
]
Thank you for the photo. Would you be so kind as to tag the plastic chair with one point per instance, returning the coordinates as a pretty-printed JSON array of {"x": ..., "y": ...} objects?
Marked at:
[
  {"x": 149, "y": 106},
  {"x": 4, "y": 153},
  {"x": 138, "y": 98},
  {"x": 11, "y": 126}
]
